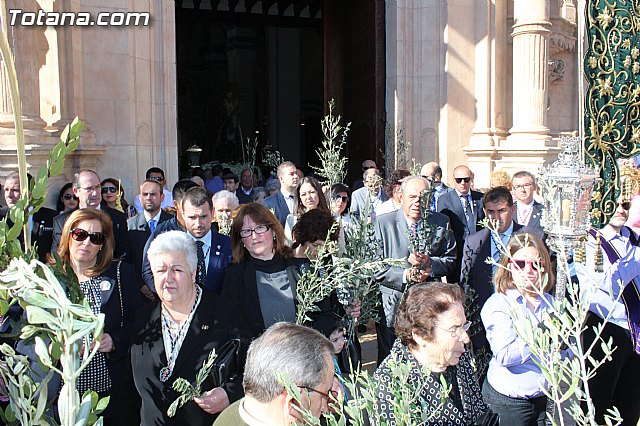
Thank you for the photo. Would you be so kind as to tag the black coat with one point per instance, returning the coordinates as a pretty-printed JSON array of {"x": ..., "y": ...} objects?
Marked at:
[
  {"x": 139, "y": 233},
  {"x": 41, "y": 232},
  {"x": 209, "y": 329}
]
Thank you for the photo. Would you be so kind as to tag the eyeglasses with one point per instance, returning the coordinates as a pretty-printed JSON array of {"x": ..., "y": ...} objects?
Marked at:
[
  {"x": 340, "y": 197},
  {"x": 524, "y": 185},
  {"x": 459, "y": 330},
  {"x": 331, "y": 395},
  {"x": 107, "y": 189},
  {"x": 462, "y": 179},
  {"x": 96, "y": 238},
  {"x": 67, "y": 197},
  {"x": 90, "y": 188},
  {"x": 625, "y": 206},
  {"x": 521, "y": 264},
  {"x": 260, "y": 229}
]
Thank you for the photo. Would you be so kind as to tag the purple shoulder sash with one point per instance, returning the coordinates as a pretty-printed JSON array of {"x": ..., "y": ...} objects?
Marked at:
[{"x": 630, "y": 296}]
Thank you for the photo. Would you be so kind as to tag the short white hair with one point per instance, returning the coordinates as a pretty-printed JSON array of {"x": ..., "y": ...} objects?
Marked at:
[
  {"x": 408, "y": 179},
  {"x": 172, "y": 242},
  {"x": 225, "y": 195}
]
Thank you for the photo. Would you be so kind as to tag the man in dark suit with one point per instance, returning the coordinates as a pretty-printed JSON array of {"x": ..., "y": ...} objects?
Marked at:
[
  {"x": 476, "y": 275},
  {"x": 143, "y": 224},
  {"x": 528, "y": 210},
  {"x": 433, "y": 173},
  {"x": 463, "y": 206},
  {"x": 245, "y": 190},
  {"x": 282, "y": 202},
  {"x": 86, "y": 187},
  {"x": 392, "y": 231},
  {"x": 41, "y": 222}
]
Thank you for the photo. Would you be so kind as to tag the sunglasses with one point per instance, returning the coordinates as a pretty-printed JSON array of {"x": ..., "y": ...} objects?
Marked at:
[
  {"x": 157, "y": 178},
  {"x": 68, "y": 197},
  {"x": 107, "y": 189},
  {"x": 626, "y": 205},
  {"x": 96, "y": 238},
  {"x": 521, "y": 264},
  {"x": 462, "y": 179},
  {"x": 338, "y": 197}
]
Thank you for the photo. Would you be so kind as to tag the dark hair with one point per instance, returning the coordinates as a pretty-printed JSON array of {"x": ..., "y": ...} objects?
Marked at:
[
  {"x": 298, "y": 207},
  {"x": 117, "y": 184},
  {"x": 336, "y": 189},
  {"x": 60, "y": 203},
  {"x": 216, "y": 169},
  {"x": 105, "y": 255},
  {"x": 180, "y": 188},
  {"x": 394, "y": 180},
  {"x": 261, "y": 215},
  {"x": 197, "y": 196},
  {"x": 498, "y": 194},
  {"x": 154, "y": 170},
  {"x": 420, "y": 308},
  {"x": 312, "y": 226}
]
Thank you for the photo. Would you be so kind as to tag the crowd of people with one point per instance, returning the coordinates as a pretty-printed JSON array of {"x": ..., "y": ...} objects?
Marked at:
[{"x": 180, "y": 273}]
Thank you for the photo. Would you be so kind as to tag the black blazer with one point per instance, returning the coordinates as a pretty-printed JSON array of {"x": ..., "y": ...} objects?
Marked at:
[
  {"x": 41, "y": 232},
  {"x": 277, "y": 203},
  {"x": 476, "y": 276},
  {"x": 139, "y": 233},
  {"x": 209, "y": 329},
  {"x": 120, "y": 235},
  {"x": 450, "y": 205}
]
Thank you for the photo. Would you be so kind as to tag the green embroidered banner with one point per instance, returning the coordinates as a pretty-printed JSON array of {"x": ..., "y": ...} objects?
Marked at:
[{"x": 612, "y": 112}]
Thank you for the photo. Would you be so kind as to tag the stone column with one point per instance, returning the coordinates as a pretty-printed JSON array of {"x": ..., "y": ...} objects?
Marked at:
[{"x": 531, "y": 30}]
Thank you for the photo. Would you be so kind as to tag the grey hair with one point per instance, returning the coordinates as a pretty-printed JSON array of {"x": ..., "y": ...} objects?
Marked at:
[
  {"x": 300, "y": 353},
  {"x": 76, "y": 177},
  {"x": 375, "y": 171},
  {"x": 225, "y": 195},
  {"x": 257, "y": 191},
  {"x": 523, "y": 173},
  {"x": 172, "y": 242},
  {"x": 408, "y": 179}
]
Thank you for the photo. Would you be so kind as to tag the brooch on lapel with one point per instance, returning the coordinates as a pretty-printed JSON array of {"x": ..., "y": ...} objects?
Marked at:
[{"x": 105, "y": 285}]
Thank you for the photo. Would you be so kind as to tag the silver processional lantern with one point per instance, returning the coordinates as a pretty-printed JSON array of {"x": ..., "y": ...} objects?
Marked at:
[{"x": 566, "y": 187}]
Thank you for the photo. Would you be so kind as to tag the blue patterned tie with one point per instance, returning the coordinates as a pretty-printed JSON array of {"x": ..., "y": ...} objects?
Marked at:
[{"x": 152, "y": 225}]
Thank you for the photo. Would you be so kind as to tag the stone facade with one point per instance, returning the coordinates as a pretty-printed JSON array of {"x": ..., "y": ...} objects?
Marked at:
[{"x": 489, "y": 83}]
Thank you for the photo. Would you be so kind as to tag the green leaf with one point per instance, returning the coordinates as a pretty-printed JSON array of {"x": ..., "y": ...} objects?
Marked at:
[
  {"x": 102, "y": 404},
  {"x": 36, "y": 315},
  {"x": 42, "y": 351},
  {"x": 4, "y": 307}
]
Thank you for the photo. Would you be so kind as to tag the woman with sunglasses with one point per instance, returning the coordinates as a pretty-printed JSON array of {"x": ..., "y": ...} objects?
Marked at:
[
  {"x": 67, "y": 201},
  {"x": 513, "y": 387},
  {"x": 308, "y": 195},
  {"x": 110, "y": 196},
  {"x": 86, "y": 247},
  {"x": 260, "y": 286},
  {"x": 432, "y": 332}
]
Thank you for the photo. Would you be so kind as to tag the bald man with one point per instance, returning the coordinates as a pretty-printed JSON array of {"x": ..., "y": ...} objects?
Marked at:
[
  {"x": 432, "y": 172},
  {"x": 464, "y": 208}
]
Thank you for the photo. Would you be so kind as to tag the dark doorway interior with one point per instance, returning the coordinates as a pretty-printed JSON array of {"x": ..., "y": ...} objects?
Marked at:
[{"x": 246, "y": 75}]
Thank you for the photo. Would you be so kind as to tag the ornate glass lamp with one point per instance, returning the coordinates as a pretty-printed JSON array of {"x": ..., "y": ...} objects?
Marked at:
[
  {"x": 194, "y": 152},
  {"x": 566, "y": 187}
]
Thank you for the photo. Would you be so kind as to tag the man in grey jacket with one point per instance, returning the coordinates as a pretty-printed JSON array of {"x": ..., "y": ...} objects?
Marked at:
[{"x": 392, "y": 231}]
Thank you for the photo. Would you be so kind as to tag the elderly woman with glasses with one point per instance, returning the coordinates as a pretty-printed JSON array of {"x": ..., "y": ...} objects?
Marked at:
[
  {"x": 86, "y": 247},
  {"x": 513, "y": 387},
  {"x": 173, "y": 338},
  {"x": 432, "y": 333},
  {"x": 260, "y": 286}
]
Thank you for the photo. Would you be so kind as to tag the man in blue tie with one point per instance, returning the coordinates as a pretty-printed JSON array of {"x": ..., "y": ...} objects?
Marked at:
[
  {"x": 476, "y": 276},
  {"x": 142, "y": 225},
  {"x": 464, "y": 209}
]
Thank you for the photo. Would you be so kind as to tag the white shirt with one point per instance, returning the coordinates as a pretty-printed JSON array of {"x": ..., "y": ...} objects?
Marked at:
[
  {"x": 288, "y": 198},
  {"x": 524, "y": 212}
]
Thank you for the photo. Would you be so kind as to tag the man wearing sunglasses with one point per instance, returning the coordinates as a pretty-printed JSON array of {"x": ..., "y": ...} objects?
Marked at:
[
  {"x": 432, "y": 172},
  {"x": 157, "y": 174},
  {"x": 86, "y": 187},
  {"x": 464, "y": 208},
  {"x": 615, "y": 296},
  {"x": 476, "y": 275},
  {"x": 40, "y": 223}
]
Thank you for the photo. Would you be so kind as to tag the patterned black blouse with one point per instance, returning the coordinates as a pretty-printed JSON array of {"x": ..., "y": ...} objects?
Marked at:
[{"x": 463, "y": 406}]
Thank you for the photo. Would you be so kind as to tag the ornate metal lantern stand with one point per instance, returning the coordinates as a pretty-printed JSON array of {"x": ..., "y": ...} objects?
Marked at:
[{"x": 566, "y": 187}]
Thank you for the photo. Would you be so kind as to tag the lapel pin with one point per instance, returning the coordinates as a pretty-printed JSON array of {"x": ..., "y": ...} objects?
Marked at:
[{"x": 205, "y": 327}]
